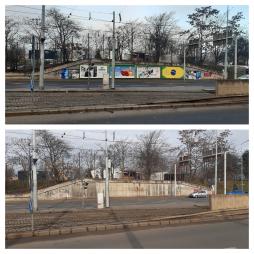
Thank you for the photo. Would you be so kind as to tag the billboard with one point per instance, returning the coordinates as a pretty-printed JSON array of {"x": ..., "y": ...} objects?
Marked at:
[
  {"x": 148, "y": 72},
  {"x": 193, "y": 74},
  {"x": 93, "y": 71},
  {"x": 124, "y": 71},
  {"x": 172, "y": 72},
  {"x": 64, "y": 73},
  {"x": 74, "y": 74}
]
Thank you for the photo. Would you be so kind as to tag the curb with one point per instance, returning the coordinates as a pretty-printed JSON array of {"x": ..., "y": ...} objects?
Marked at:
[
  {"x": 223, "y": 215},
  {"x": 119, "y": 107}
]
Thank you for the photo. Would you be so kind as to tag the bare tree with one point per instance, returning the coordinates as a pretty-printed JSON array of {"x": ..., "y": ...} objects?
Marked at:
[
  {"x": 150, "y": 153},
  {"x": 62, "y": 30},
  {"x": 53, "y": 152},
  {"x": 120, "y": 154},
  {"x": 160, "y": 30}
]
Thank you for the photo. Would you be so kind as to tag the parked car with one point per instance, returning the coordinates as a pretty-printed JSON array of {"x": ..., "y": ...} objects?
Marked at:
[
  {"x": 199, "y": 194},
  {"x": 236, "y": 192},
  {"x": 245, "y": 76}
]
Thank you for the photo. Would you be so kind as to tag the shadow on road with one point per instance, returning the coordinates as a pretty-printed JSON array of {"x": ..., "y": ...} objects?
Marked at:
[{"x": 131, "y": 237}]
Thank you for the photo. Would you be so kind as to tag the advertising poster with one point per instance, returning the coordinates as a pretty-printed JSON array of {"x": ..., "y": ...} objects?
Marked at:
[
  {"x": 172, "y": 72},
  {"x": 74, "y": 74},
  {"x": 124, "y": 71},
  {"x": 93, "y": 71},
  {"x": 191, "y": 74},
  {"x": 64, "y": 73},
  {"x": 148, "y": 72}
]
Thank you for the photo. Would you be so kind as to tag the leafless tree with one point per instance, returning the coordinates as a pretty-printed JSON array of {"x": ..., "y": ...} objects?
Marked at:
[
  {"x": 53, "y": 152},
  {"x": 160, "y": 29},
  {"x": 150, "y": 153},
  {"x": 62, "y": 30}
]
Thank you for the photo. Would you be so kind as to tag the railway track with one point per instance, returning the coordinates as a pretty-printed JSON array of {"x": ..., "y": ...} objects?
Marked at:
[{"x": 18, "y": 222}]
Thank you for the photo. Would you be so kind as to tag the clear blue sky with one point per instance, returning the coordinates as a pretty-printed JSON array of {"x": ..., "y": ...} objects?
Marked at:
[{"x": 128, "y": 13}]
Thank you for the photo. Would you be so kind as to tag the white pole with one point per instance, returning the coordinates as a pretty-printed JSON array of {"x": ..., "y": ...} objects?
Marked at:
[
  {"x": 225, "y": 173},
  {"x": 41, "y": 81},
  {"x": 113, "y": 54},
  {"x": 184, "y": 62},
  {"x": 226, "y": 51},
  {"x": 242, "y": 171},
  {"x": 175, "y": 181},
  {"x": 106, "y": 173},
  {"x": 34, "y": 172},
  {"x": 216, "y": 162},
  {"x": 235, "y": 69}
]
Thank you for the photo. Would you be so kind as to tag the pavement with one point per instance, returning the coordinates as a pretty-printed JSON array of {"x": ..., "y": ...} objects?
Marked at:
[{"x": 216, "y": 235}]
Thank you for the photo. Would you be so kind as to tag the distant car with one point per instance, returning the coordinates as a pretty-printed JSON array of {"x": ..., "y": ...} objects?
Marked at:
[
  {"x": 236, "y": 192},
  {"x": 199, "y": 194},
  {"x": 246, "y": 76}
]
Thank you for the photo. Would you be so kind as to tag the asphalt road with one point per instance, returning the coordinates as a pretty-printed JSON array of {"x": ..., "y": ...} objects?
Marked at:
[
  {"x": 233, "y": 234},
  {"x": 177, "y": 85},
  {"x": 229, "y": 114},
  {"x": 154, "y": 202}
]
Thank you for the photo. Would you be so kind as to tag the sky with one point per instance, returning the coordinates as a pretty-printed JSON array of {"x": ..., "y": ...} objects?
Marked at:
[
  {"x": 92, "y": 139},
  {"x": 80, "y": 13}
]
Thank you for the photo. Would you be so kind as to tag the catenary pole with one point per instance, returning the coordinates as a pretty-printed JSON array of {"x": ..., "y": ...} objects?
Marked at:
[
  {"x": 34, "y": 174},
  {"x": 113, "y": 54},
  {"x": 41, "y": 81}
]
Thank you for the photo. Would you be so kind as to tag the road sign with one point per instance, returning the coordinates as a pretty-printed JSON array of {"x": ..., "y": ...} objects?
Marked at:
[{"x": 30, "y": 206}]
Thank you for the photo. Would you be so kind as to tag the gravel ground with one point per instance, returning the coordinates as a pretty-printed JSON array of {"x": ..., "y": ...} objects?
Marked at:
[
  {"x": 19, "y": 101},
  {"x": 18, "y": 222}
]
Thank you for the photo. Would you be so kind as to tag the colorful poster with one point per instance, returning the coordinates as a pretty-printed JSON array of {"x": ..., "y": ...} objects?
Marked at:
[
  {"x": 64, "y": 73},
  {"x": 148, "y": 72},
  {"x": 93, "y": 71},
  {"x": 124, "y": 71},
  {"x": 172, "y": 72}
]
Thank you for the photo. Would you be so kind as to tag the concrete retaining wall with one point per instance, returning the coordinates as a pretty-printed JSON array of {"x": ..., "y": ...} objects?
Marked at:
[
  {"x": 232, "y": 87},
  {"x": 144, "y": 189},
  {"x": 221, "y": 202},
  {"x": 74, "y": 189},
  {"x": 67, "y": 190}
]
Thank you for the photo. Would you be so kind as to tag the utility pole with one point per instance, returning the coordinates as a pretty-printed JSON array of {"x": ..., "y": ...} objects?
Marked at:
[
  {"x": 103, "y": 38},
  {"x": 41, "y": 82},
  {"x": 88, "y": 46},
  {"x": 175, "y": 182},
  {"x": 235, "y": 69},
  {"x": 226, "y": 51},
  {"x": 225, "y": 173},
  {"x": 216, "y": 162},
  {"x": 106, "y": 173},
  {"x": 79, "y": 165},
  {"x": 33, "y": 64},
  {"x": 34, "y": 174},
  {"x": 184, "y": 62},
  {"x": 113, "y": 54},
  {"x": 242, "y": 172}
]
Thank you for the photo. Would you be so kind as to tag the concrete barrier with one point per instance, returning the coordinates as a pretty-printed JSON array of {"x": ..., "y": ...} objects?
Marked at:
[
  {"x": 221, "y": 202},
  {"x": 74, "y": 189},
  {"x": 232, "y": 87}
]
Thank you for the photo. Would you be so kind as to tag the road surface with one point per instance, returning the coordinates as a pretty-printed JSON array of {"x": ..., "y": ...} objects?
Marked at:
[
  {"x": 160, "y": 84},
  {"x": 230, "y": 234},
  {"x": 229, "y": 114},
  {"x": 171, "y": 202}
]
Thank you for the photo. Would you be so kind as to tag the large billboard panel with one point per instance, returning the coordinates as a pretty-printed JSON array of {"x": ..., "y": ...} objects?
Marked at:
[
  {"x": 95, "y": 71},
  {"x": 148, "y": 72},
  {"x": 172, "y": 72},
  {"x": 124, "y": 71}
]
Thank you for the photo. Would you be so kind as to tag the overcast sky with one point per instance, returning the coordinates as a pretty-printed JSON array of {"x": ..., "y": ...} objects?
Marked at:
[
  {"x": 86, "y": 139},
  {"x": 80, "y": 13}
]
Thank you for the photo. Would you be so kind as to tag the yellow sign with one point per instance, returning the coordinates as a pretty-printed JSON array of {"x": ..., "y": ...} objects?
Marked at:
[{"x": 172, "y": 72}]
